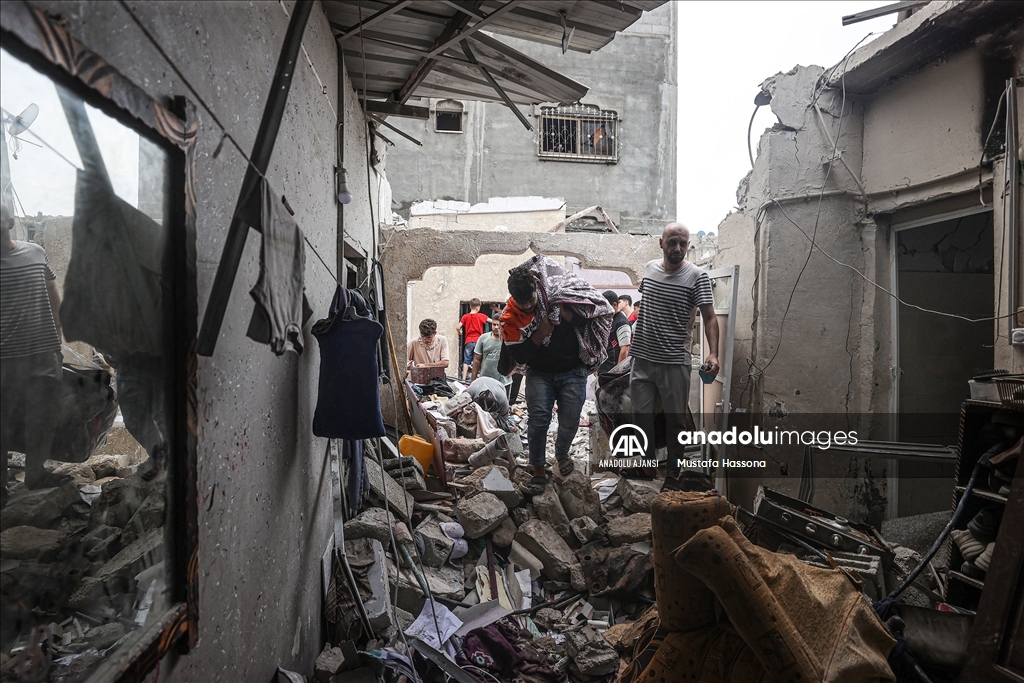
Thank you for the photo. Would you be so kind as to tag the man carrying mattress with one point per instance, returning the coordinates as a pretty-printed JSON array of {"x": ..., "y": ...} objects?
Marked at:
[{"x": 557, "y": 326}]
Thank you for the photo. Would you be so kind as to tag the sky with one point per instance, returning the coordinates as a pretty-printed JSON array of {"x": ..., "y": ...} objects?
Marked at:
[
  {"x": 42, "y": 180},
  {"x": 726, "y": 49}
]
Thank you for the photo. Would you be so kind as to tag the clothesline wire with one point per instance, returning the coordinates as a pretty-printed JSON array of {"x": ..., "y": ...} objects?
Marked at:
[{"x": 226, "y": 134}]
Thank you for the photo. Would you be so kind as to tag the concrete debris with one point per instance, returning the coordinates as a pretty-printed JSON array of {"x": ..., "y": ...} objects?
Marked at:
[
  {"x": 149, "y": 515},
  {"x": 40, "y": 508},
  {"x": 524, "y": 559},
  {"x": 459, "y": 449},
  {"x": 590, "y": 654},
  {"x": 118, "y": 574},
  {"x": 637, "y": 494},
  {"x": 503, "y": 536},
  {"x": 631, "y": 529},
  {"x": 29, "y": 543},
  {"x": 328, "y": 663},
  {"x": 370, "y": 523},
  {"x": 436, "y": 544},
  {"x": 444, "y": 582},
  {"x": 519, "y": 515},
  {"x": 578, "y": 578},
  {"x": 538, "y": 537},
  {"x": 385, "y": 488},
  {"x": 549, "y": 509},
  {"x": 583, "y": 528},
  {"x": 480, "y": 514},
  {"x": 493, "y": 479}
]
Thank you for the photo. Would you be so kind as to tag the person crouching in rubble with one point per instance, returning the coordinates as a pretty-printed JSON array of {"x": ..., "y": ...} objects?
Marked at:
[{"x": 555, "y": 375}]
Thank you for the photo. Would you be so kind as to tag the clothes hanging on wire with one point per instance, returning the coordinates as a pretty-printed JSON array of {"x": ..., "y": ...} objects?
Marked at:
[
  {"x": 358, "y": 481},
  {"x": 281, "y": 306},
  {"x": 348, "y": 399}
]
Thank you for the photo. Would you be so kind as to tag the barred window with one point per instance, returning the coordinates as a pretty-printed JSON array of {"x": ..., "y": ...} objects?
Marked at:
[
  {"x": 448, "y": 117},
  {"x": 578, "y": 133}
]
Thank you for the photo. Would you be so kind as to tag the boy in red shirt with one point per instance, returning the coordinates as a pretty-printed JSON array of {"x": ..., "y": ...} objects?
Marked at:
[{"x": 473, "y": 323}]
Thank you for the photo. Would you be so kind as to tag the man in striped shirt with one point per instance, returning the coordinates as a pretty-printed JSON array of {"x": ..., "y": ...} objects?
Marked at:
[
  {"x": 30, "y": 356},
  {"x": 672, "y": 289}
]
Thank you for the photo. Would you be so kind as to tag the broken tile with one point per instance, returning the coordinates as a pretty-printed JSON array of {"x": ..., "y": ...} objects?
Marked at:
[
  {"x": 631, "y": 529},
  {"x": 480, "y": 514},
  {"x": 538, "y": 537}
]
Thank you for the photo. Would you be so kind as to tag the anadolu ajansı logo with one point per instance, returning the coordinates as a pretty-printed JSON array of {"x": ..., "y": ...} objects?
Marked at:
[{"x": 628, "y": 441}]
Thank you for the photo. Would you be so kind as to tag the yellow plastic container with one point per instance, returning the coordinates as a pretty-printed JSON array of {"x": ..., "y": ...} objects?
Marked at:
[{"x": 419, "y": 448}]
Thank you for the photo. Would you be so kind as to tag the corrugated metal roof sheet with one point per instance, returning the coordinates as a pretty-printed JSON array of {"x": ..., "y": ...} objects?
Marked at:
[{"x": 397, "y": 50}]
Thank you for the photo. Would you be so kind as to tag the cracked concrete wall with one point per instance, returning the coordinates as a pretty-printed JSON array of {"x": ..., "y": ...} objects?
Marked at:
[
  {"x": 496, "y": 156},
  {"x": 265, "y": 510},
  {"x": 410, "y": 253}
]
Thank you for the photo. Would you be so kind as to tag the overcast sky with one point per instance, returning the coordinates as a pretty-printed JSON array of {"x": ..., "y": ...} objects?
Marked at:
[{"x": 726, "y": 49}]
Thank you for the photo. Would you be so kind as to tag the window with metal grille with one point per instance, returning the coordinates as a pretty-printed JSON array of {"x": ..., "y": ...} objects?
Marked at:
[
  {"x": 448, "y": 116},
  {"x": 578, "y": 133}
]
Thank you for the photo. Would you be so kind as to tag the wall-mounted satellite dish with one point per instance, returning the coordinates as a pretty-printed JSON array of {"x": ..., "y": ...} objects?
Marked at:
[{"x": 25, "y": 119}]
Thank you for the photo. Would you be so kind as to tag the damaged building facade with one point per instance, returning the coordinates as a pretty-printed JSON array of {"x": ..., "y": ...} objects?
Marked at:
[{"x": 905, "y": 185}]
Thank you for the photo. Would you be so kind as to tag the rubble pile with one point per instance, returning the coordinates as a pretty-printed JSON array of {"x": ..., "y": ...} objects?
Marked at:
[
  {"x": 547, "y": 575},
  {"x": 82, "y": 563}
]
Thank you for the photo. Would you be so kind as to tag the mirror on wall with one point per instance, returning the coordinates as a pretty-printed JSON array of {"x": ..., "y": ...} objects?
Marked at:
[{"x": 87, "y": 363}]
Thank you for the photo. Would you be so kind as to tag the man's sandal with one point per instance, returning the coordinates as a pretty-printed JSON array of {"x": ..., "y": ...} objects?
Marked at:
[
  {"x": 566, "y": 467},
  {"x": 537, "y": 485}
]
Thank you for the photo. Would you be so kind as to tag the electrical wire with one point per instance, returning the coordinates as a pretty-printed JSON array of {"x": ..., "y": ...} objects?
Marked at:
[
  {"x": 750, "y": 127},
  {"x": 225, "y": 133}
]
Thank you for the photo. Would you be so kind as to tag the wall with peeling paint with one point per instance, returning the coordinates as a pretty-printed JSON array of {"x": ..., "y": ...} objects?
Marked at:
[{"x": 265, "y": 512}]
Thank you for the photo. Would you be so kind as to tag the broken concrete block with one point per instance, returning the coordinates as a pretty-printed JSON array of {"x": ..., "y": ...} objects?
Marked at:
[
  {"x": 102, "y": 637},
  {"x": 30, "y": 543},
  {"x": 494, "y": 479},
  {"x": 539, "y": 538},
  {"x": 549, "y": 509},
  {"x": 105, "y": 465},
  {"x": 456, "y": 403},
  {"x": 612, "y": 502},
  {"x": 503, "y": 536},
  {"x": 118, "y": 574},
  {"x": 363, "y": 674},
  {"x": 150, "y": 515},
  {"x": 40, "y": 508},
  {"x": 577, "y": 495},
  {"x": 82, "y": 473},
  {"x": 459, "y": 449},
  {"x": 370, "y": 523},
  {"x": 445, "y": 582},
  {"x": 637, "y": 494},
  {"x": 101, "y": 543},
  {"x": 583, "y": 528},
  {"x": 328, "y": 662},
  {"x": 119, "y": 500},
  {"x": 519, "y": 515},
  {"x": 436, "y": 544},
  {"x": 578, "y": 578},
  {"x": 635, "y": 527},
  {"x": 383, "y": 488},
  {"x": 590, "y": 654},
  {"x": 546, "y": 618},
  {"x": 378, "y": 607},
  {"x": 524, "y": 559},
  {"x": 480, "y": 514},
  {"x": 402, "y": 463}
]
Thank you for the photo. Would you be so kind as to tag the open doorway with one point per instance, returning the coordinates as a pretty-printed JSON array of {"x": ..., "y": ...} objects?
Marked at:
[{"x": 943, "y": 265}]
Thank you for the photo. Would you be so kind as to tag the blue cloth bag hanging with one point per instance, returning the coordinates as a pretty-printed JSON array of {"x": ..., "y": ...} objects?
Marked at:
[{"x": 348, "y": 399}]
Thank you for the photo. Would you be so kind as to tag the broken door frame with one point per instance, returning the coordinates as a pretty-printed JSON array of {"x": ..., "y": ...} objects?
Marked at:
[
  {"x": 725, "y": 362},
  {"x": 893, "y": 466}
]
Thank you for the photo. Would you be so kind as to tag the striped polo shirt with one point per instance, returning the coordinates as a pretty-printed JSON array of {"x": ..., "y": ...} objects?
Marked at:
[
  {"x": 26, "y": 322},
  {"x": 662, "y": 330}
]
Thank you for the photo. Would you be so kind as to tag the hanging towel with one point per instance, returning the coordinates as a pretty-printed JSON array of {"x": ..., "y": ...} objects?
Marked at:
[
  {"x": 348, "y": 400},
  {"x": 281, "y": 307}
]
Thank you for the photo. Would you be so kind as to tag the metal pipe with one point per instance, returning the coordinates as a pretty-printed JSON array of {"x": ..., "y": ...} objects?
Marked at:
[
  {"x": 1012, "y": 168},
  {"x": 262, "y": 150}
]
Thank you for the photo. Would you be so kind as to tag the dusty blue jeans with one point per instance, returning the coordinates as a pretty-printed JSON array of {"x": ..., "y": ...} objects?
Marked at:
[{"x": 543, "y": 390}]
